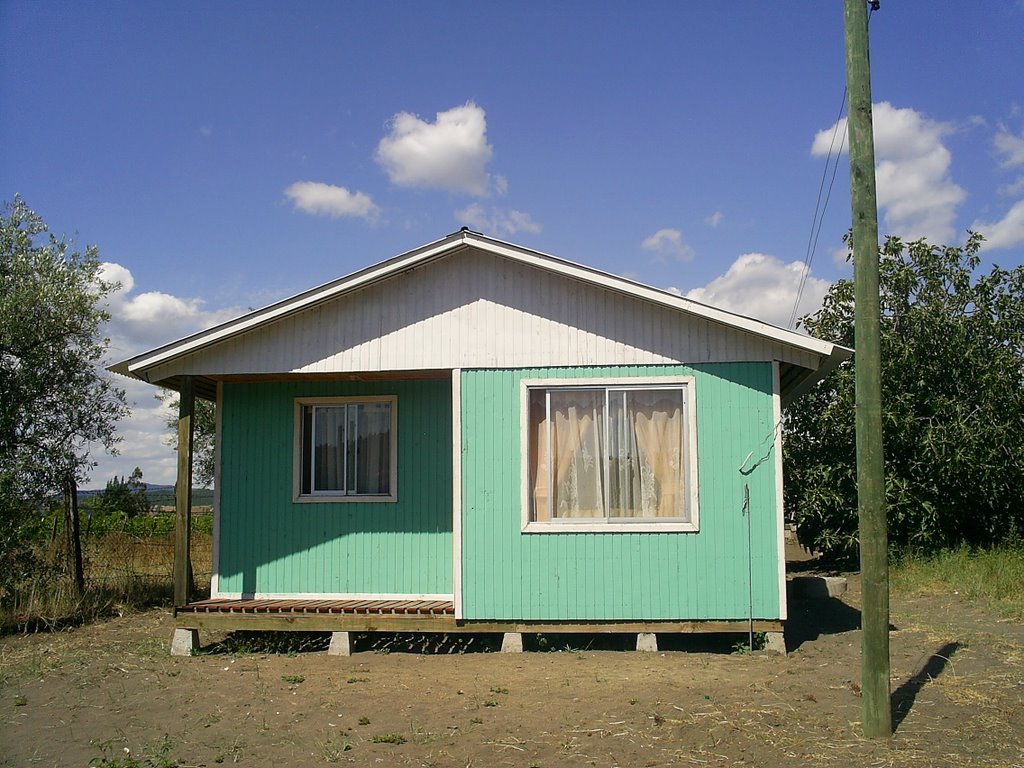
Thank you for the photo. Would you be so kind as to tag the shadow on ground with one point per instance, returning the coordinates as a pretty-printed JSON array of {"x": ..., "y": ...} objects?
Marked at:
[{"x": 903, "y": 698}]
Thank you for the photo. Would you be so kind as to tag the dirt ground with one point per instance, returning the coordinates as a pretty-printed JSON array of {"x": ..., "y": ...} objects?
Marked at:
[{"x": 110, "y": 692}]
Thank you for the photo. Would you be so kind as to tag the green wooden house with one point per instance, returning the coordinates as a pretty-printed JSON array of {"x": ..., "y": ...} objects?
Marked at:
[{"x": 474, "y": 436}]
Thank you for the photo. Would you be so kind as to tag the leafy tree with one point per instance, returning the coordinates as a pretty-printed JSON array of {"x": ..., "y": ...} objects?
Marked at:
[
  {"x": 953, "y": 407},
  {"x": 204, "y": 437},
  {"x": 55, "y": 403},
  {"x": 121, "y": 495}
]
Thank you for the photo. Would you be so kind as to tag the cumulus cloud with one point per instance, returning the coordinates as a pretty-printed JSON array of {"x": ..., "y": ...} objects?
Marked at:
[
  {"x": 714, "y": 219},
  {"x": 1010, "y": 147},
  {"x": 496, "y": 221},
  {"x": 450, "y": 153},
  {"x": 668, "y": 243},
  {"x": 140, "y": 321},
  {"x": 915, "y": 189},
  {"x": 764, "y": 287},
  {"x": 1005, "y": 233},
  {"x": 321, "y": 199}
]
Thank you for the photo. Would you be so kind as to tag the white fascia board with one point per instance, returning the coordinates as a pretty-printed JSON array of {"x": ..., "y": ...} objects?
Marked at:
[
  {"x": 287, "y": 306},
  {"x": 646, "y": 292}
]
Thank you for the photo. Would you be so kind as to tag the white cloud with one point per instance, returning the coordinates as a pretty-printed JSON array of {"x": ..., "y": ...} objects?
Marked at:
[
  {"x": 451, "y": 153},
  {"x": 1013, "y": 189},
  {"x": 1005, "y": 233},
  {"x": 667, "y": 243},
  {"x": 1010, "y": 147},
  {"x": 496, "y": 221},
  {"x": 321, "y": 199},
  {"x": 714, "y": 219},
  {"x": 915, "y": 189},
  {"x": 764, "y": 287},
  {"x": 141, "y": 321}
]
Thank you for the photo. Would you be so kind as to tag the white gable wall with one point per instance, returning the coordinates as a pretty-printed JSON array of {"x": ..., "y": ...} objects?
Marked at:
[{"x": 474, "y": 309}]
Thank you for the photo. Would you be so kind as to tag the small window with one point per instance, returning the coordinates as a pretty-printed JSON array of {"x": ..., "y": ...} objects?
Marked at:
[
  {"x": 611, "y": 456},
  {"x": 346, "y": 449}
]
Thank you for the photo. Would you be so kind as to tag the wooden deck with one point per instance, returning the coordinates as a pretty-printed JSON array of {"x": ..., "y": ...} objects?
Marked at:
[
  {"x": 319, "y": 615},
  {"x": 408, "y": 616}
]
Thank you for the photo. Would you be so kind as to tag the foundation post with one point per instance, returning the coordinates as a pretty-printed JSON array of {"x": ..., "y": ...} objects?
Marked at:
[
  {"x": 646, "y": 641},
  {"x": 512, "y": 642},
  {"x": 185, "y": 642},
  {"x": 341, "y": 644},
  {"x": 775, "y": 642}
]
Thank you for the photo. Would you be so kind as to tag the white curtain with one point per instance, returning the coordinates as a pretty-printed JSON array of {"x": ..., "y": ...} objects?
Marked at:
[{"x": 637, "y": 468}]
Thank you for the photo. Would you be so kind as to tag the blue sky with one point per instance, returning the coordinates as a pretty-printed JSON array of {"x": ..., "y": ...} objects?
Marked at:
[{"x": 225, "y": 155}]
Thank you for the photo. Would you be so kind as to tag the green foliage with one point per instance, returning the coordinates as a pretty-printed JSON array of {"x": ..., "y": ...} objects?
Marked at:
[
  {"x": 952, "y": 345},
  {"x": 127, "y": 496},
  {"x": 204, "y": 424},
  {"x": 55, "y": 403}
]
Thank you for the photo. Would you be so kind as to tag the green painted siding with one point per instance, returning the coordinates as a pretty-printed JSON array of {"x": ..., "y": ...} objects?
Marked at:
[
  {"x": 508, "y": 574},
  {"x": 270, "y": 545}
]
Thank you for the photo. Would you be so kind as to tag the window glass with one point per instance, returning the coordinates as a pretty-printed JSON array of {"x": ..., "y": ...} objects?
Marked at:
[
  {"x": 346, "y": 449},
  {"x": 613, "y": 454}
]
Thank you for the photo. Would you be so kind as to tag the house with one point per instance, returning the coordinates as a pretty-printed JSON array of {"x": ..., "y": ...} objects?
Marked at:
[{"x": 475, "y": 436}]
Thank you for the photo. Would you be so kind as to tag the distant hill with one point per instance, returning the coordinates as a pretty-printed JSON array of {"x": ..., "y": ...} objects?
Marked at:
[{"x": 160, "y": 495}]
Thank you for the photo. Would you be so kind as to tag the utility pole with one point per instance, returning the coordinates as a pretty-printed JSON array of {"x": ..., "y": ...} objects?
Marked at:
[{"x": 874, "y": 537}]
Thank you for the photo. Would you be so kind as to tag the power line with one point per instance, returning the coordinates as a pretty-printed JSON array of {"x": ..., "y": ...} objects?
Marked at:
[{"x": 819, "y": 208}]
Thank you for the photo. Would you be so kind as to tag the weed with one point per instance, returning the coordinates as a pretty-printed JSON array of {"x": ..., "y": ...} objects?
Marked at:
[
  {"x": 498, "y": 689},
  {"x": 633, "y": 701},
  {"x": 357, "y": 680},
  {"x": 294, "y": 679},
  {"x": 20, "y": 701},
  {"x": 476, "y": 720},
  {"x": 420, "y": 736},
  {"x": 331, "y": 750},
  {"x": 389, "y": 738},
  {"x": 364, "y": 720}
]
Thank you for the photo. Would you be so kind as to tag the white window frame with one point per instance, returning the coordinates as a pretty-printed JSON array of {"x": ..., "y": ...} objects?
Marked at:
[
  {"x": 323, "y": 497},
  {"x": 640, "y": 525}
]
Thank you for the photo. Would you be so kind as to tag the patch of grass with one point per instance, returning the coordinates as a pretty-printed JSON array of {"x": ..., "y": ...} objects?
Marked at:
[
  {"x": 293, "y": 679},
  {"x": 331, "y": 750},
  {"x": 364, "y": 720},
  {"x": 498, "y": 689},
  {"x": 990, "y": 577},
  {"x": 123, "y": 571},
  {"x": 357, "y": 680},
  {"x": 389, "y": 738}
]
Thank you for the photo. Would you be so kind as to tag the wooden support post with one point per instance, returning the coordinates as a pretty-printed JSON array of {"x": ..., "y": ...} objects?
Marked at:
[
  {"x": 183, "y": 495},
  {"x": 74, "y": 535},
  {"x": 874, "y": 545}
]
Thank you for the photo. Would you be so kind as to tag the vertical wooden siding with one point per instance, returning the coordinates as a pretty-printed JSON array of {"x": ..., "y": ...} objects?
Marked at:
[
  {"x": 270, "y": 545},
  {"x": 508, "y": 574}
]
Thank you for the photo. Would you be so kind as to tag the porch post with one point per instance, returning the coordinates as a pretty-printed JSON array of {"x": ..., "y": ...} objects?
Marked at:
[{"x": 183, "y": 495}]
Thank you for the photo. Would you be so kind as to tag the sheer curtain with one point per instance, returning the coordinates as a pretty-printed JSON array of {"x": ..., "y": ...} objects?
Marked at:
[
  {"x": 607, "y": 453},
  {"x": 657, "y": 419}
]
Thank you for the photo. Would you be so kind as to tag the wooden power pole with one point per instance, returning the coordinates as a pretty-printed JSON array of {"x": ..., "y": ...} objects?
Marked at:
[{"x": 874, "y": 538}]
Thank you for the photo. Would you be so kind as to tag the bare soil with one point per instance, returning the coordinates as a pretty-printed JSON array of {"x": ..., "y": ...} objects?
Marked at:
[{"x": 110, "y": 692}]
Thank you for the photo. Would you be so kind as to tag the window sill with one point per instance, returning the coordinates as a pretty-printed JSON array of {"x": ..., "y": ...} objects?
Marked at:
[
  {"x": 345, "y": 499},
  {"x": 591, "y": 527}
]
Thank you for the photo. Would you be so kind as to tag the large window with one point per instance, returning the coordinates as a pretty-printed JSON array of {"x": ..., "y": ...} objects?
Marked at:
[
  {"x": 610, "y": 455},
  {"x": 345, "y": 449}
]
